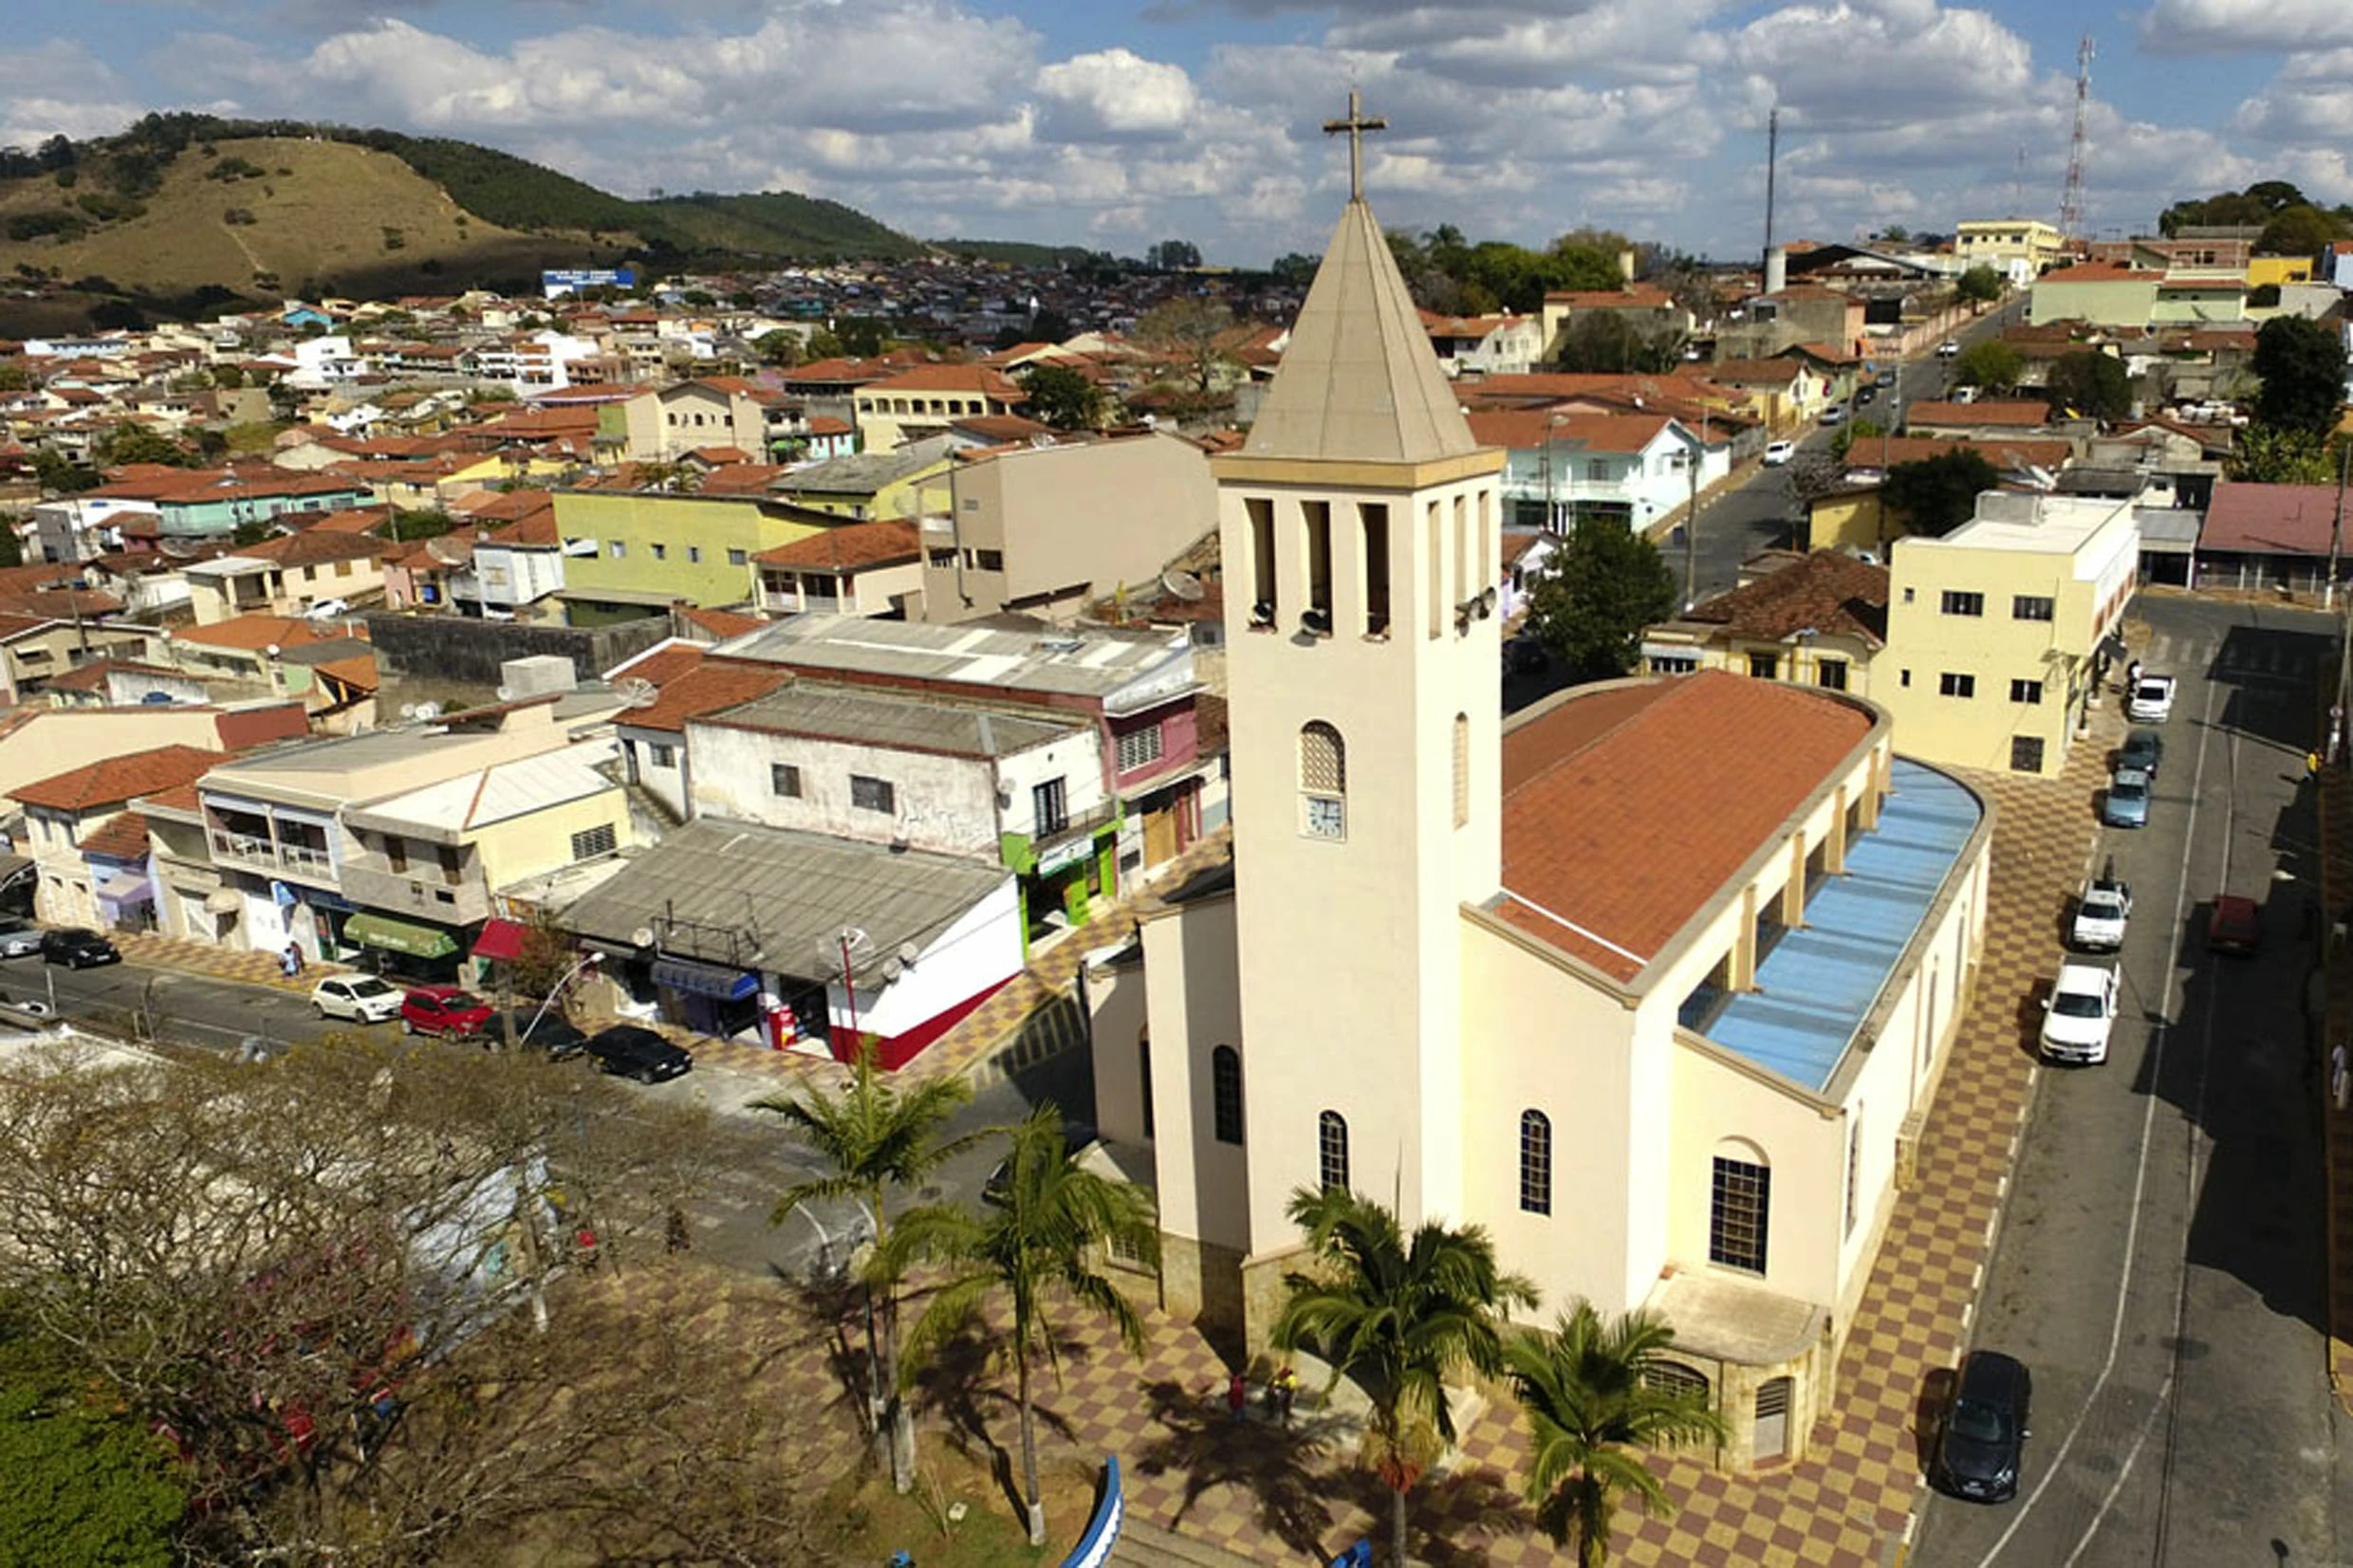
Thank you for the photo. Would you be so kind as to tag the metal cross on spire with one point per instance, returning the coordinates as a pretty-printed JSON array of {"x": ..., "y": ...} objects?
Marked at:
[{"x": 1354, "y": 128}]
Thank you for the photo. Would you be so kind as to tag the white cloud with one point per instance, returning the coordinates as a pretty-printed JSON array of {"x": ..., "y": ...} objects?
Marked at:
[
  {"x": 2224, "y": 26},
  {"x": 1115, "y": 96},
  {"x": 58, "y": 88}
]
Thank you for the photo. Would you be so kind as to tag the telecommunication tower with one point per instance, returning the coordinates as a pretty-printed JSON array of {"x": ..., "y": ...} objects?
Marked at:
[{"x": 2072, "y": 200}]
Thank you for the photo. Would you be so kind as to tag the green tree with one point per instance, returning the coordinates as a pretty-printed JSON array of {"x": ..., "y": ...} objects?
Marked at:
[
  {"x": 2279, "y": 455},
  {"x": 12, "y": 542},
  {"x": 825, "y": 343},
  {"x": 1988, "y": 362},
  {"x": 1608, "y": 343},
  {"x": 1294, "y": 269},
  {"x": 14, "y": 377},
  {"x": 1062, "y": 398},
  {"x": 1843, "y": 440},
  {"x": 1938, "y": 495},
  {"x": 126, "y": 444},
  {"x": 252, "y": 531},
  {"x": 2302, "y": 363},
  {"x": 2302, "y": 230},
  {"x": 1603, "y": 586},
  {"x": 1035, "y": 1239},
  {"x": 1401, "y": 1317},
  {"x": 61, "y": 475},
  {"x": 1978, "y": 286},
  {"x": 2089, "y": 383},
  {"x": 879, "y": 1139},
  {"x": 779, "y": 347},
  {"x": 862, "y": 336},
  {"x": 1589, "y": 1393},
  {"x": 86, "y": 1485}
]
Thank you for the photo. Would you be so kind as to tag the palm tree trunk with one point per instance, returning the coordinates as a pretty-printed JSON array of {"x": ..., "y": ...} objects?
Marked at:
[
  {"x": 1028, "y": 1446},
  {"x": 898, "y": 1417},
  {"x": 1397, "y": 1528}
]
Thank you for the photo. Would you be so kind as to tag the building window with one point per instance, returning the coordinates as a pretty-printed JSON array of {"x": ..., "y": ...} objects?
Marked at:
[
  {"x": 1262, "y": 604},
  {"x": 1907, "y": 595},
  {"x": 1676, "y": 1380},
  {"x": 737, "y": 558},
  {"x": 784, "y": 778},
  {"x": 662, "y": 552},
  {"x": 1323, "y": 782},
  {"x": 1674, "y": 664},
  {"x": 2029, "y": 692},
  {"x": 1317, "y": 518},
  {"x": 1764, "y": 666},
  {"x": 943, "y": 559},
  {"x": 1139, "y": 747},
  {"x": 1951, "y": 683},
  {"x": 1225, "y": 1093},
  {"x": 990, "y": 560},
  {"x": 693, "y": 554},
  {"x": 590, "y": 842},
  {"x": 1536, "y": 1162},
  {"x": 1462, "y": 768},
  {"x": 1143, "y": 1074},
  {"x": 2026, "y": 753},
  {"x": 1738, "y": 1209},
  {"x": 617, "y": 549},
  {"x": 1331, "y": 1151},
  {"x": 662, "y": 754},
  {"x": 873, "y": 793},
  {"x": 2030, "y": 607},
  {"x": 1830, "y": 675},
  {"x": 1047, "y": 804},
  {"x": 1963, "y": 605},
  {"x": 1373, "y": 534}
]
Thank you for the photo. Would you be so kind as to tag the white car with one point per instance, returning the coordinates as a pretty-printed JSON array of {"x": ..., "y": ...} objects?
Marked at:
[
  {"x": 2101, "y": 911},
  {"x": 19, "y": 937},
  {"x": 2079, "y": 1015},
  {"x": 362, "y": 998},
  {"x": 1947, "y": 349},
  {"x": 1779, "y": 452},
  {"x": 327, "y": 609},
  {"x": 1835, "y": 414},
  {"x": 2151, "y": 701}
]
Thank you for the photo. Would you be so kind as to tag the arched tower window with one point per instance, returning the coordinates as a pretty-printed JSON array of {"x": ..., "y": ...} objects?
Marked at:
[
  {"x": 1323, "y": 782},
  {"x": 1740, "y": 1207},
  {"x": 1536, "y": 1162},
  {"x": 1224, "y": 1089},
  {"x": 1331, "y": 1151}
]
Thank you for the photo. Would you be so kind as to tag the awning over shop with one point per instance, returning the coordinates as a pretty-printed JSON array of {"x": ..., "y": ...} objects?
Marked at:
[
  {"x": 127, "y": 887},
  {"x": 705, "y": 980},
  {"x": 501, "y": 941},
  {"x": 382, "y": 931}
]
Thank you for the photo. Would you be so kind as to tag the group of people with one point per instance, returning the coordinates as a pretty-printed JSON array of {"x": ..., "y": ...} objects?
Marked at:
[{"x": 1281, "y": 1393}]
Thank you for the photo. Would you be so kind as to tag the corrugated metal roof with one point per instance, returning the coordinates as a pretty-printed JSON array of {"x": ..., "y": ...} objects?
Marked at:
[
  {"x": 488, "y": 795},
  {"x": 843, "y": 713},
  {"x": 1094, "y": 663},
  {"x": 783, "y": 895}
]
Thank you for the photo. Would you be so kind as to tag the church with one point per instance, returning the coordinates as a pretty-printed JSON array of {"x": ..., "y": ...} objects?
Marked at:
[{"x": 1653, "y": 980}]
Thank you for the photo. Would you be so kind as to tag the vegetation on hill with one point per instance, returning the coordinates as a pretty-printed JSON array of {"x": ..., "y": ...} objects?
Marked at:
[
  {"x": 770, "y": 223},
  {"x": 2292, "y": 224},
  {"x": 1020, "y": 253}
]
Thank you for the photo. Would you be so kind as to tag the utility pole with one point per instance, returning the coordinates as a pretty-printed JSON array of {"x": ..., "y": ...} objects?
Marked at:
[
  {"x": 1691, "y": 516},
  {"x": 1772, "y": 151}
]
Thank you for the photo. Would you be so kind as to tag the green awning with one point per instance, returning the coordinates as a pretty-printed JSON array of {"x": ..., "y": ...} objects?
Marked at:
[{"x": 382, "y": 931}]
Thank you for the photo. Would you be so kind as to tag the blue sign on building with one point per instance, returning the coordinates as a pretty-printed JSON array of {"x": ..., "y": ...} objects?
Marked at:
[{"x": 565, "y": 280}]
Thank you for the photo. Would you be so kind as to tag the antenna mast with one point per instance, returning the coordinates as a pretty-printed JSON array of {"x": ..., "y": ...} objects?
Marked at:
[
  {"x": 1772, "y": 150},
  {"x": 2071, "y": 200},
  {"x": 2018, "y": 185}
]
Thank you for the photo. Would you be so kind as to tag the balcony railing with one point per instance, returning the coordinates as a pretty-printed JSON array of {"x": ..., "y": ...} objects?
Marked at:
[{"x": 298, "y": 860}]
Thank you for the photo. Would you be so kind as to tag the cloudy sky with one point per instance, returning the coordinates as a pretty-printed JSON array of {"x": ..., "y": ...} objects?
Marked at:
[{"x": 1113, "y": 123}]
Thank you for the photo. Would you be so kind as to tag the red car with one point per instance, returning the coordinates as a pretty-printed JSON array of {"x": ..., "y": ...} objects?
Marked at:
[
  {"x": 444, "y": 1010},
  {"x": 2236, "y": 925}
]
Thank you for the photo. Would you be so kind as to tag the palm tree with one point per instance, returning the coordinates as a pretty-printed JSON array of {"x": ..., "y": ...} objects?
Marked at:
[
  {"x": 1034, "y": 1235},
  {"x": 1587, "y": 1390},
  {"x": 1401, "y": 1317},
  {"x": 877, "y": 1137}
]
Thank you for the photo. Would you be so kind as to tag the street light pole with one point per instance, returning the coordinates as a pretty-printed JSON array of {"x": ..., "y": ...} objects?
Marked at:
[{"x": 1691, "y": 516}]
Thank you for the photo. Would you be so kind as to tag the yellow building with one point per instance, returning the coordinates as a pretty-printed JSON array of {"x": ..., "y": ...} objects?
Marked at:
[
  {"x": 1816, "y": 620},
  {"x": 1996, "y": 633},
  {"x": 868, "y": 486},
  {"x": 2020, "y": 248},
  {"x": 628, "y": 552},
  {"x": 2277, "y": 271}
]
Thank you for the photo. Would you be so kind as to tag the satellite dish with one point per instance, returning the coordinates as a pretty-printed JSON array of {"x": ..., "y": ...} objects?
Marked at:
[
  {"x": 637, "y": 692},
  {"x": 642, "y": 936},
  {"x": 890, "y": 968},
  {"x": 408, "y": 710},
  {"x": 427, "y": 709},
  {"x": 506, "y": 693},
  {"x": 1182, "y": 586},
  {"x": 908, "y": 954},
  {"x": 271, "y": 650}
]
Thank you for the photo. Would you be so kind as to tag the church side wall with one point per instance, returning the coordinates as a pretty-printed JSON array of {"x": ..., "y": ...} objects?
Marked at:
[{"x": 1194, "y": 1006}]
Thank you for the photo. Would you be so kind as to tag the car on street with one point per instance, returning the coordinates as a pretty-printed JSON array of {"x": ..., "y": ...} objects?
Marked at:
[
  {"x": 2081, "y": 1012},
  {"x": 2144, "y": 749},
  {"x": 2101, "y": 911},
  {"x": 442, "y": 1010},
  {"x": 1835, "y": 414},
  {"x": 1981, "y": 1437},
  {"x": 632, "y": 1051},
  {"x": 535, "y": 1029},
  {"x": 1947, "y": 349},
  {"x": 362, "y": 998},
  {"x": 1885, "y": 378},
  {"x": 78, "y": 948},
  {"x": 327, "y": 609},
  {"x": 1778, "y": 452},
  {"x": 19, "y": 937},
  {"x": 2151, "y": 700},
  {"x": 2235, "y": 925},
  {"x": 1867, "y": 393},
  {"x": 2126, "y": 803}
]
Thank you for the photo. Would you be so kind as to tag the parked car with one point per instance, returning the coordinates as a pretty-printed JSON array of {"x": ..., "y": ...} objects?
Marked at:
[
  {"x": 2151, "y": 701},
  {"x": 1778, "y": 452},
  {"x": 1866, "y": 394},
  {"x": 1835, "y": 414},
  {"x": 1947, "y": 349},
  {"x": 1885, "y": 378},
  {"x": 2235, "y": 925},
  {"x": 19, "y": 937},
  {"x": 548, "y": 1031},
  {"x": 639, "y": 1053},
  {"x": 2080, "y": 1014},
  {"x": 327, "y": 609},
  {"x": 362, "y": 998},
  {"x": 442, "y": 1010},
  {"x": 2101, "y": 911},
  {"x": 77, "y": 947},
  {"x": 1982, "y": 1437},
  {"x": 2126, "y": 803},
  {"x": 2144, "y": 749}
]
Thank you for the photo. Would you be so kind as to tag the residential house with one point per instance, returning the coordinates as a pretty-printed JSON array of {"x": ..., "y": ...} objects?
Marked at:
[
  {"x": 1041, "y": 530},
  {"x": 1999, "y": 630},
  {"x": 2019, "y": 248},
  {"x": 924, "y": 401},
  {"x": 1649, "y": 309},
  {"x": 667, "y": 691},
  {"x": 286, "y": 576},
  {"x": 2272, "y": 536},
  {"x": 1504, "y": 344},
  {"x": 41, "y": 743},
  {"x": 2109, "y": 294},
  {"x": 1984, "y": 420},
  {"x": 854, "y": 570},
  {"x": 63, "y": 811},
  {"x": 1564, "y": 468},
  {"x": 626, "y": 553},
  {"x": 662, "y": 424},
  {"x": 909, "y": 483},
  {"x": 1817, "y": 619},
  {"x": 245, "y": 649}
]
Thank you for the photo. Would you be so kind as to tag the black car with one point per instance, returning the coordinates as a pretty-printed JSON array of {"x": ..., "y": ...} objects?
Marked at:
[
  {"x": 639, "y": 1053},
  {"x": 1866, "y": 394},
  {"x": 2144, "y": 749},
  {"x": 1984, "y": 1432},
  {"x": 77, "y": 947},
  {"x": 548, "y": 1031}
]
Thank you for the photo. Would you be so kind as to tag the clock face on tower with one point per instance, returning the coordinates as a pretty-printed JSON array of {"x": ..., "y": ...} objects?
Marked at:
[{"x": 1327, "y": 818}]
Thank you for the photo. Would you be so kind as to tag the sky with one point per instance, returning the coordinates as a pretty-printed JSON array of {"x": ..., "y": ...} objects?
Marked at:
[{"x": 1113, "y": 124}]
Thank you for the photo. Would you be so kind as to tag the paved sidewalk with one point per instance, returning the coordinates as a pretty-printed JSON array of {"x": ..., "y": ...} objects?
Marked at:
[{"x": 252, "y": 969}]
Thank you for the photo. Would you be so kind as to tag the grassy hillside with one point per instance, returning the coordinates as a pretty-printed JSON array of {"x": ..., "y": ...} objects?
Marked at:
[{"x": 773, "y": 224}]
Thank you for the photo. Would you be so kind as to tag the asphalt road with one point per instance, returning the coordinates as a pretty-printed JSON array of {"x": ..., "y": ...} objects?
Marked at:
[{"x": 2161, "y": 1263}]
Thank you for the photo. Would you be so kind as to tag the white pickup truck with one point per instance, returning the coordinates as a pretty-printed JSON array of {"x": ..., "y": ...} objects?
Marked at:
[
  {"x": 2101, "y": 911},
  {"x": 2150, "y": 699}
]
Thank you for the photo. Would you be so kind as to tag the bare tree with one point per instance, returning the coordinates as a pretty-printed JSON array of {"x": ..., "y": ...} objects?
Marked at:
[{"x": 1191, "y": 333}]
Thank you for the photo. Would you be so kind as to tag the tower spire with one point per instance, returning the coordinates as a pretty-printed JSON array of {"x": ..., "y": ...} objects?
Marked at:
[{"x": 1354, "y": 128}]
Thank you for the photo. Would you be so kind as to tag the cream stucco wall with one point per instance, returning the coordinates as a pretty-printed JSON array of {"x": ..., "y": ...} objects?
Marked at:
[{"x": 1192, "y": 980}]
